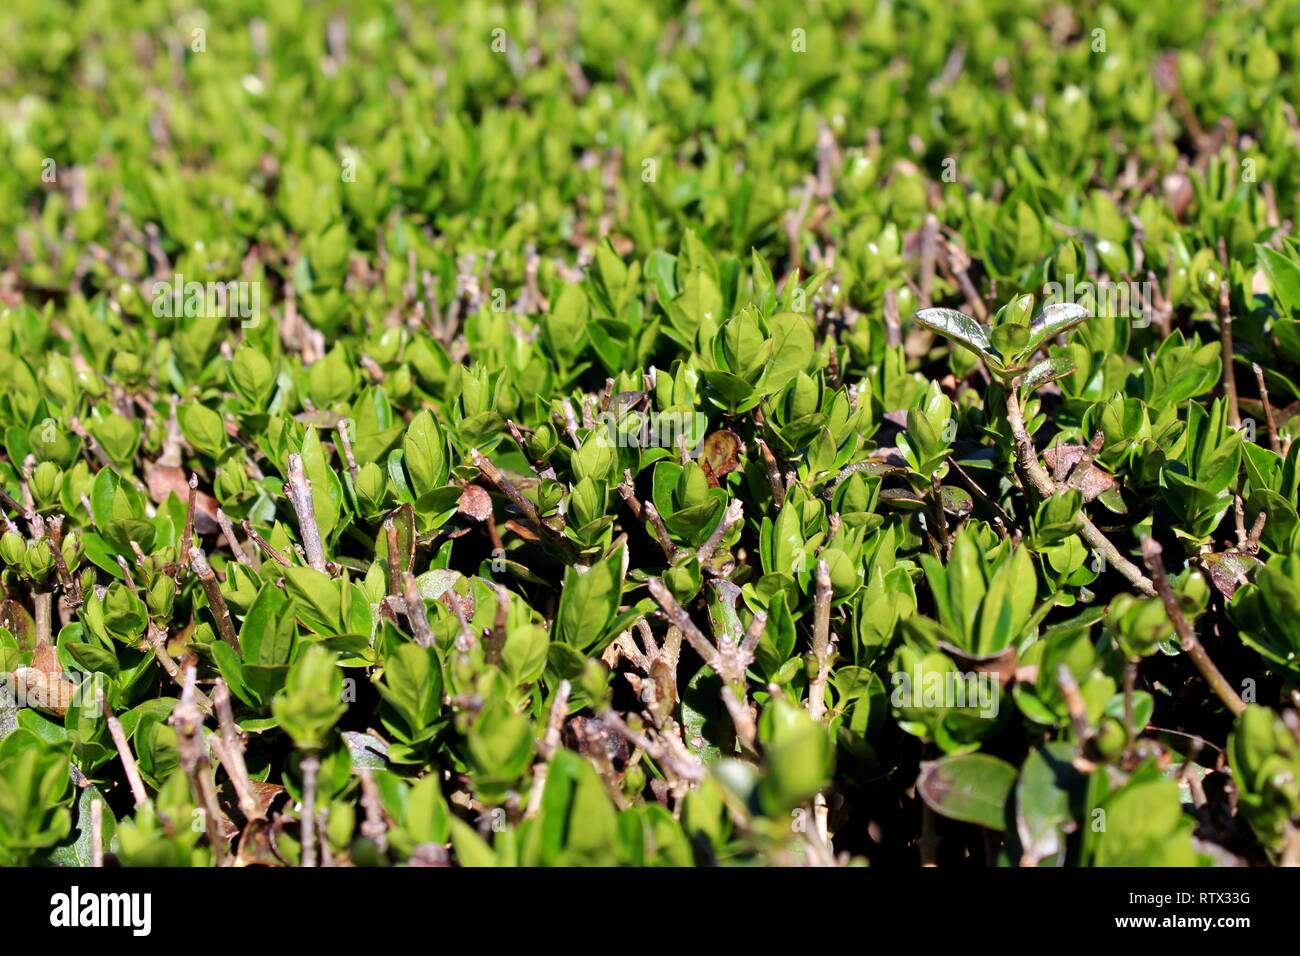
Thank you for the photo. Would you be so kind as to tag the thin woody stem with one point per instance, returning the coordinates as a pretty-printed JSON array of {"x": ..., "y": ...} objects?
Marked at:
[
  {"x": 298, "y": 488},
  {"x": 731, "y": 517},
  {"x": 1046, "y": 486},
  {"x": 188, "y": 723},
  {"x": 1273, "y": 440},
  {"x": 230, "y": 751},
  {"x": 217, "y": 603},
  {"x": 1186, "y": 633},
  {"x": 503, "y": 484},
  {"x": 821, "y": 643},
  {"x": 416, "y": 615},
  {"x": 1229, "y": 375},
  {"x": 156, "y": 639},
  {"x": 228, "y": 531},
  {"x": 546, "y": 748},
  {"x": 309, "y": 766},
  {"x": 266, "y": 546},
  {"x": 124, "y": 754}
]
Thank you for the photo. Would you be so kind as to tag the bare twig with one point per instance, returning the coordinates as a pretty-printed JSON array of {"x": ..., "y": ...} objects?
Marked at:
[
  {"x": 503, "y": 484},
  {"x": 124, "y": 754},
  {"x": 262, "y": 543},
  {"x": 741, "y": 718},
  {"x": 1229, "y": 373},
  {"x": 648, "y": 515},
  {"x": 497, "y": 642},
  {"x": 156, "y": 639},
  {"x": 394, "y": 564},
  {"x": 546, "y": 748},
  {"x": 230, "y": 751},
  {"x": 730, "y": 518},
  {"x": 1273, "y": 440},
  {"x": 979, "y": 492},
  {"x": 1074, "y": 703},
  {"x": 929, "y": 241},
  {"x": 187, "y": 538},
  {"x": 310, "y": 766},
  {"x": 188, "y": 723},
  {"x": 71, "y": 593},
  {"x": 375, "y": 827},
  {"x": 217, "y": 603},
  {"x": 1046, "y": 487},
  {"x": 729, "y": 661},
  {"x": 345, "y": 442},
  {"x": 773, "y": 470},
  {"x": 298, "y": 488},
  {"x": 656, "y": 523},
  {"x": 1081, "y": 467},
  {"x": 228, "y": 531},
  {"x": 1186, "y": 633},
  {"x": 42, "y": 608},
  {"x": 821, "y": 643},
  {"x": 416, "y": 615}
]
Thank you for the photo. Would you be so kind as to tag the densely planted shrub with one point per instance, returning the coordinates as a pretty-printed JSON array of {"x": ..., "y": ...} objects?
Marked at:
[{"x": 625, "y": 435}]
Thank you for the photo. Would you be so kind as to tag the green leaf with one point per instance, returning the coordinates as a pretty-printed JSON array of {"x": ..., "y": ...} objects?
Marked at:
[
  {"x": 202, "y": 428},
  {"x": 425, "y": 454},
  {"x": 1048, "y": 370},
  {"x": 589, "y": 602},
  {"x": 960, "y": 328},
  {"x": 972, "y": 788},
  {"x": 1052, "y": 321}
]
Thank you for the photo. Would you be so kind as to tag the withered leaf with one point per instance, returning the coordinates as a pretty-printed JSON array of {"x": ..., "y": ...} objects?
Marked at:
[
  {"x": 1062, "y": 459},
  {"x": 722, "y": 452},
  {"x": 43, "y": 685},
  {"x": 1229, "y": 569},
  {"x": 475, "y": 503}
]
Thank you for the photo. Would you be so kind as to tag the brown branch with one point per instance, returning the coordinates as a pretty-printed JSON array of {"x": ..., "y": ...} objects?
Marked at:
[
  {"x": 188, "y": 723},
  {"x": 156, "y": 639},
  {"x": 394, "y": 564},
  {"x": 741, "y": 718},
  {"x": 694, "y": 636},
  {"x": 1186, "y": 633},
  {"x": 374, "y": 827},
  {"x": 416, "y": 614},
  {"x": 1046, "y": 486},
  {"x": 187, "y": 538},
  {"x": 345, "y": 442},
  {"x": 262, "y": 543},
  {"x": 730, "y": 518},
  {"x": 503, "y": 484},
  {"x": 228, "y": 532},
  {"x": 124, "y": 754},
  {"x": 217, "y": 603},
  {"x": 1225, "y": 347},
  {"x": 1273, "y": 440},
  {"x": 1079, "y": 473},
  {"x": 310, "y": 766},
  {"x": 497, "y": 642},
  {"x": 230, "y": 751},
  {"x": 821, "y": 642},
  {"x": 71, "y": 593},
  {"x": 1074, "y": 703},
  {"x": 773, "y": 470},
  {"x": 546, "y": 748},
  {"x": 298, "y": 488},
  {"x": 648, "y": 515}
]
